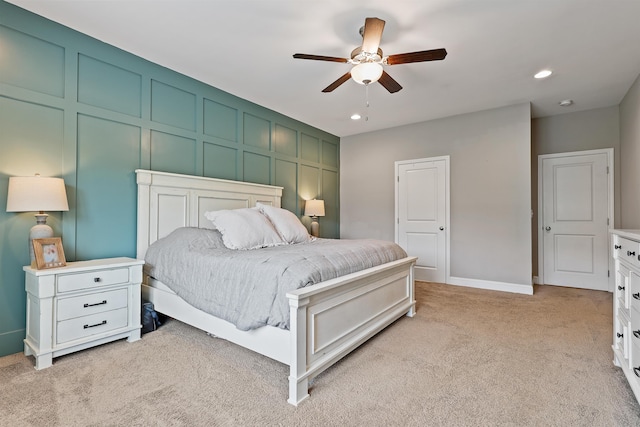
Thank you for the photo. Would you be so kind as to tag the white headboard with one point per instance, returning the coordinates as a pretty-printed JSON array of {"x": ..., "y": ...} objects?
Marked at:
[{"x": 167, "y": 201}]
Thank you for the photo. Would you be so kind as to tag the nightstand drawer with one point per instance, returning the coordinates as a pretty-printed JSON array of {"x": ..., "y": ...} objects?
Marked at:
[
  {"x": 69, "y": 308},
  {"x": 80, "y": 327},
  {"x": 74, "y": 282}
]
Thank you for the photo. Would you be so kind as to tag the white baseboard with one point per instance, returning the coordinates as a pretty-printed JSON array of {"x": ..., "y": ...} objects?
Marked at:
[{"x": 491, "y": 285}]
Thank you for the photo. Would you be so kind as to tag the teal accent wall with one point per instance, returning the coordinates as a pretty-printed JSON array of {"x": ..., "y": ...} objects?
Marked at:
[{"x": 74, "y": 107}]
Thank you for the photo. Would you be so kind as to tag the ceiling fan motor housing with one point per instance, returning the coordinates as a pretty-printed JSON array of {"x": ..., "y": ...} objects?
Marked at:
[{"x": 358, "y": 56}]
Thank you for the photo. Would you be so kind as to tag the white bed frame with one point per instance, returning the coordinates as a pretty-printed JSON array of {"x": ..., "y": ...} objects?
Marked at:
[{"x": 328, "y": 320}]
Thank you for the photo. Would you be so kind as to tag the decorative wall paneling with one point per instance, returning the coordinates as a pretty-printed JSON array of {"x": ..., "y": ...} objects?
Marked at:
[{"x": 75, "y": 107}]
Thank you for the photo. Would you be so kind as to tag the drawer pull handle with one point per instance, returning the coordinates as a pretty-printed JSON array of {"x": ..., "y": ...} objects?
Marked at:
[
  {"x": 104, "y": 322},
  {"x": 617, "y": 246},
  {"x": 636, "y": 333},
  {"x": 637, "y": 371},
  {"x": 619, "y": 335},
  {"x": 103, "y": 302},
  {"x": 98, "y": 280},
  {"x": 621, "y": 288},
  {"x": 637, "y": 296},
  {"x": 631, "y": 253}
]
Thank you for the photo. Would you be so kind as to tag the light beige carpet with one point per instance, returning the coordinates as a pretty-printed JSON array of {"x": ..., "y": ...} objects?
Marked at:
[{"x": 469, "y": 358}]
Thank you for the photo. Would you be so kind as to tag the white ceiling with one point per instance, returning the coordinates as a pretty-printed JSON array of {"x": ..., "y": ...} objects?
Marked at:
[{"x": 245, "y": 47}]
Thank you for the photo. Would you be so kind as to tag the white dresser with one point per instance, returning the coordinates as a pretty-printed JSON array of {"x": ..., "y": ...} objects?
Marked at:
[
  {"x": 81, "y": 305},
  {"x": 626, "y": 305}
]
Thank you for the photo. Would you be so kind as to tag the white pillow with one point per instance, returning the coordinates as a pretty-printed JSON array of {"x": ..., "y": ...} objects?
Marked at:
[
  {"x": 286, "y": 223},
  {"x": 244, "y": 228}
]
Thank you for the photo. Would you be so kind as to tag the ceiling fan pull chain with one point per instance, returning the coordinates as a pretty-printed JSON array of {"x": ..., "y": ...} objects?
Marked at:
[{"x": 366, "y": 95}]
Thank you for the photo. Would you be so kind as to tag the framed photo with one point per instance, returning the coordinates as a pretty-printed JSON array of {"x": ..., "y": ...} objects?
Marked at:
[{"x": 49, "y": 253}]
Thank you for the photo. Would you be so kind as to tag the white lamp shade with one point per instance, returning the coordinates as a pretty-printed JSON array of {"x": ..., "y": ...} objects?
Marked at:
[
  {"x": 367, "y": 72},
  {"x": 36, "y": 194},
  {"x": 314, "y": 208}
]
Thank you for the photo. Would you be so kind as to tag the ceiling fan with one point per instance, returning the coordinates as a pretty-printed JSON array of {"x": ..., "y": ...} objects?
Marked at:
[{"x": 368, "y": 59}]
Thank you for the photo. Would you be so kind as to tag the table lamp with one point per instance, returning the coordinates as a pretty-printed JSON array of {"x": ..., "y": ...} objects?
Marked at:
[
  {"x": 314, "y": 208},
  {"x": 37, "y": 194}
]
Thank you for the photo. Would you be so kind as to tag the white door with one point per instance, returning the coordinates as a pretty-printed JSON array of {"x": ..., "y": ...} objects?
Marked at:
[
  {"x": 422, "y": 215},
  {"x": 575, "y": 219}
]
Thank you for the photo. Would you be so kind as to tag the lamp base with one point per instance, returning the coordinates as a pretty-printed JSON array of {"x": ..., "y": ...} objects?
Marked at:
[
  {"x": 315, "y": 227},
  {"x": 39, "y": 231}
]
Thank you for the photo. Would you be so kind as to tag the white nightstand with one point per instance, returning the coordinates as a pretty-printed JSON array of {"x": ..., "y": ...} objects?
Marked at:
[{"x": 81, "y": 305}]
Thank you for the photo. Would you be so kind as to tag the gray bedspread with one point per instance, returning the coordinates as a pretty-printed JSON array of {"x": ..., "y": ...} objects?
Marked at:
[{"x": 248, "y": 288}]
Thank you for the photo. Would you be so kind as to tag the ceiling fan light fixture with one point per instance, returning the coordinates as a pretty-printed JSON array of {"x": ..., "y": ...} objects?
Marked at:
[{"x": 366, "y": 73}]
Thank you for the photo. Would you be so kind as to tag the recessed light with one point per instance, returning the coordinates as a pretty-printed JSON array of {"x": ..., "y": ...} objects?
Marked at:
[
  {"x": 543, "y": 74},
  {"x": 356, "y": 117},
  {"x": 566, "y": 102}
]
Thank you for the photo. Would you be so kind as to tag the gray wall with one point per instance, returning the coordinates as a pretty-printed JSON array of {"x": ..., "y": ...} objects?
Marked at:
[
  {"x": 630, "y": 158},
  {"x": 584, "y": 130},
  {"x": 490, "y": 154}
]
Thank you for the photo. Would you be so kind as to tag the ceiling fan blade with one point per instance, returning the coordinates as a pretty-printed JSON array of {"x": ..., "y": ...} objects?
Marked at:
[
  {"x": 421, "y": 56},
  {"x": 337, "y": 83},
  {"x": 372, "y": 35},
  {"x": 320, "y": 57},
  {"x": 389, "y": 83}
]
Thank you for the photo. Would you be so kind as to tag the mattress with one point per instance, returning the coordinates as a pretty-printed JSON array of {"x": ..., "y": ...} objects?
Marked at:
[{"x": 248, "y": 287}]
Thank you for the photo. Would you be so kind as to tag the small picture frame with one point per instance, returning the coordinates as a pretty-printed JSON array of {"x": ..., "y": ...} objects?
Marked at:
[{"x": 49, "y": 253}]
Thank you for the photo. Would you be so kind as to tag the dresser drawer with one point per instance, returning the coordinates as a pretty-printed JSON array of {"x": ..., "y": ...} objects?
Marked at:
[
  {"x": 80, "y": 327},
  {"x": 634, "y": 362},
  {"x": 617, "y": 246},
  {"x": 627, "y": 250},
  {"x": 622, "y": 337},
  {"x": 622, "y": 289},
  {"x": 634, "y": 327},
  {"x": 634, "y": 338},
  {"x": 634, "y": 291},
  {"x": 83, "y": 305},
  {"x": 78, "y": 281}
]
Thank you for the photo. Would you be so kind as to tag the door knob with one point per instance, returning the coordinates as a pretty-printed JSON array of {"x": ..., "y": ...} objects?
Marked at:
[
  {"x": 547, "y": 228},
  {"x": 441, "y": 228}
]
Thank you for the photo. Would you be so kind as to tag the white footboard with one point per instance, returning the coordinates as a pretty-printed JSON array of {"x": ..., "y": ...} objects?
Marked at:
[{"x": 331, "y": 319}]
